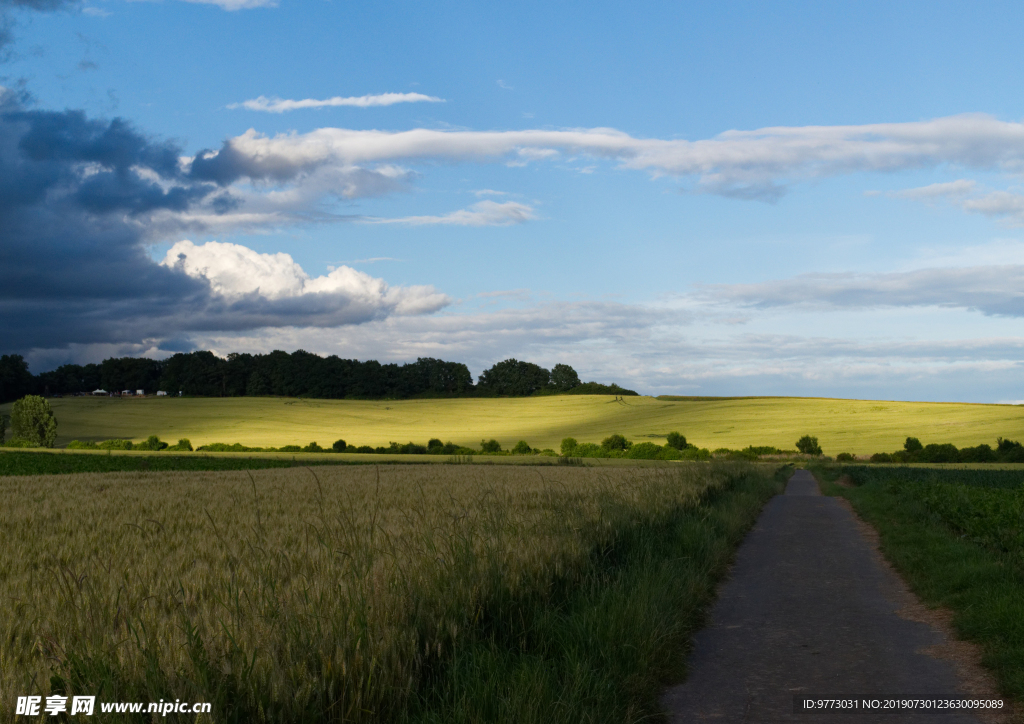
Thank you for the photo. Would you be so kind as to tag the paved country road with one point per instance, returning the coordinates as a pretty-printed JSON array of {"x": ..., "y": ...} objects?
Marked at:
[{"x": 810, "y": 611}]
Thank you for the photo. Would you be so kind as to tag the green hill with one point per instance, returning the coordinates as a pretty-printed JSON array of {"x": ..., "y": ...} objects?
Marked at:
[{"x": 857, "y": 426}]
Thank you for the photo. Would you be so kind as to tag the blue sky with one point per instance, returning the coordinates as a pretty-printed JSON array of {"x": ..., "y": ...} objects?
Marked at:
[{"x": 743, "y": 198}]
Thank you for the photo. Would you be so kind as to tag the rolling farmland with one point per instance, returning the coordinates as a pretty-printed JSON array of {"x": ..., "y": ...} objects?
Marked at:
[{"x": 856, "y": 426}]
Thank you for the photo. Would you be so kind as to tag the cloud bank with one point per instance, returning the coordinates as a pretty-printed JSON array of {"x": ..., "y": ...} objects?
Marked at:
[
  {"x": 993, "y": 290},
  {"x": 759, "y": 164},
  {"x": 280, "y": 105}
]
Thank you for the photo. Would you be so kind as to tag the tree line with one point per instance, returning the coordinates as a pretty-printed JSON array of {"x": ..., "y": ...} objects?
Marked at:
[{"x": 299, "y": 374}]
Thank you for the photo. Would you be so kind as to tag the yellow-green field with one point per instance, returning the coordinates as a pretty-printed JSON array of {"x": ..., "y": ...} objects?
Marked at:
[
  {"x": 327, "y": 595},
  {"x": 856, "y": 426}
]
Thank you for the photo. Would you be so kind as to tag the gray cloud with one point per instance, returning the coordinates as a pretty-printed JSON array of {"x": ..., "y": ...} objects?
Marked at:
[
  {"x": 79, "y": 200},
  {"x": 995, "y": 290}
]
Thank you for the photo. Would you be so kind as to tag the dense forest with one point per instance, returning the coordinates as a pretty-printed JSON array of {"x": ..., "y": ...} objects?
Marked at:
[{"x": 299, "y": 374}]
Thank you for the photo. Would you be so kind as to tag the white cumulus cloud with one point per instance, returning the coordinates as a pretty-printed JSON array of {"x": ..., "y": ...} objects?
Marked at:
[{"x": 235, "y": 272}]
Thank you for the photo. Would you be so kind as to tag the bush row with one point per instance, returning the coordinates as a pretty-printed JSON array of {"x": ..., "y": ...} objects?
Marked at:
[{"x": 1006, "y": 451}]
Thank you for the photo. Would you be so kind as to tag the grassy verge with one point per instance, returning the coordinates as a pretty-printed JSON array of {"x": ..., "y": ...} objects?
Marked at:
[
  {"x": 353, "y": 593},
  {"x": 603, "y": 651},
  {"x": 957, "y": 538}
]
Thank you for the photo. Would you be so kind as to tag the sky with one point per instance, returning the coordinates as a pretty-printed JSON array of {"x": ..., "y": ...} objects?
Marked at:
[{"x": 814, "y": 199}]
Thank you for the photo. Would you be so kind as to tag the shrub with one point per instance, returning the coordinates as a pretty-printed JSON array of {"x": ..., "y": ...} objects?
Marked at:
[
  {"x": 81, "y": 445},
  {"x": 677, "y": 441},
  {"x": 434, "y": 445},
  {"x": 946, "y": 453},
  {"x": 312, "y": 447},
  {"x": 115, "y": 444},
  {"x": 981, "y": 454},
  {"x": 151, "y": 443},
  {"x": 568, "y": 446},
  {"x": 616, "y": 442},
  {"x": 694, "y": 453},
  {"x": 184, "y": 445},
  {"x": 644, "y": 451},
  {"x": 589, "y": 450},
  {"x": 669, "y": 453},
  {"x": 881, "y": 458},
  {"x": 290, "y": 448},
  {"x": 3, "y": 429},
  {"x": 364, "y": 449},
  {"x": 1009, "y": 451},
  {"x": 225, "y": 447},
  {"x": 808, "y": 445},
  {"x": 522, "y": 448},
  {"x": 490, "y": 446},
  {"x": 409, "y": 448},
  {"x": 15, "y": 442},
  {"x": 339, "y": 446},
  {"x": 913, "y": 445},
  {"x": 32, "y": 420},
  {"x": 845, "y": 458}
]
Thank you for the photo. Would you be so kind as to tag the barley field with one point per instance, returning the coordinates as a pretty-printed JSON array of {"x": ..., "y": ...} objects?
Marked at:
[
  {"x": 321, "y": 594},
  {"x": 854, "y": 426}
]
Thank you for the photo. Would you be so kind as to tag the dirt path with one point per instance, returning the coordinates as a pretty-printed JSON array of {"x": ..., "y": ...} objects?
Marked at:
[{"x": 809, "y": 611}]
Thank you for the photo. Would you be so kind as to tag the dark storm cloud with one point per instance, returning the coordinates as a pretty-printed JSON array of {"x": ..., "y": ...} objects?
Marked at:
[{"x": 77, "y": 204}]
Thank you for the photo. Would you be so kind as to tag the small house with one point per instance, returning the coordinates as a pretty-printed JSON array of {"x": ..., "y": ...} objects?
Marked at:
[
  {"x": 140, "y": 393},
  {"x": 161, "y": 393}
]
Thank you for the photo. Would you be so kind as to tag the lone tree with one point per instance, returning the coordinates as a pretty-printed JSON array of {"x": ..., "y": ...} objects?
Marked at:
[
  {"x": 564, "y": 378},
  {"x": 808, "y": 445},
  {"x": 677, "y": 441},
  {"x": 32, "y": 420},
  {"x": 616, "y": 442},
  {"x": 913, "y": 445}
]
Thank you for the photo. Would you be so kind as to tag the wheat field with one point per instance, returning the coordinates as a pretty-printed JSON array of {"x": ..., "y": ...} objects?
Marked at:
[
  {"x": 294, "y": 594},
  {"x": 855, "y": 426}
]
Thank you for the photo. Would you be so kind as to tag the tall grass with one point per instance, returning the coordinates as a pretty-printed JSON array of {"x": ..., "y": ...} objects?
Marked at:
[{"x": 342, "y": 594}]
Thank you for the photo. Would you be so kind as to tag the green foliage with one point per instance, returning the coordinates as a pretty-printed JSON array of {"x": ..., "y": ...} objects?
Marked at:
[
  {"x": 82, "y": 445},
  {"x": 183, "y": 445},
  {"x": 312, "y": 447},
  {"x": 339, "y": 446},
  {"x": 363, "y": 449},
  {"x": 290, "y": 448},
  {"x": 152, "y": 443},
  {"x": 615, "y": 442},
  {"x": 3, "y": 429},
  {"x": 522, "y": 448},
  {"x": 881, "y": 458},
  {"x": 643, "y": 451},
  {"x": 228, "y": 447},
  {"x": 409, "y": 448},
  {"x": 808, "y": 445},
  {"x": 844, "y": 457},
  {"x": 596, "y": 388},
  {"x": 956, "y": 537},
  {"x": 15, "y": 379},
  {"x": 32, "y": 420},
  {"x": 564, "y": 378},
  {"x": 568, "y": 446},
  {"x": 912, "y": 445},
  {"x": 435, "y": 446},
  {"x": 115, "y": 444},
  {"x": 515, "y": 378},
  {"x": 490, "y": 446},
  {"x": 589, "y": 450},
  {"x": 676, "y": 440}
]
